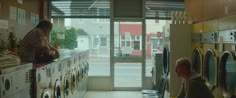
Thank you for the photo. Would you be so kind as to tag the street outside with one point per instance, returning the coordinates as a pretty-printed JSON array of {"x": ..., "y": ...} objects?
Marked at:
[{"x": 126, "y": 74}]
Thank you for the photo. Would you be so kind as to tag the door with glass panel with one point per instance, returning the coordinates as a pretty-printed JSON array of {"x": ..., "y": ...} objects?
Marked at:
[{"x": 127, "y": 55}]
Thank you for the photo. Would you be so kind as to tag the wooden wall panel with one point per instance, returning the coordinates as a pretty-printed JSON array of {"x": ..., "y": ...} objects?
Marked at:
[
  {"x": 30, "y": 6},
  {"x": 198, "y": 27},
  {"x": 211, "y": 26},
  {"x": 227, "y": 23},
  {"x": 188, "y": 7},
  {"x": 212, "y": 9},
  {"x": 231, "y": 6},
  {"x": 196, "y": 10}
]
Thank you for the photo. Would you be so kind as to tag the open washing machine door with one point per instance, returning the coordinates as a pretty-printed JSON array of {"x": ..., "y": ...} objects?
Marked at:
[
  {"x": 197, "y": 60},
  {"x": 57, "y": 89},
  {"x": 210, "y": 69},
  {"x": 166, "y": 60},
  {"x": 227, "y": 74}
]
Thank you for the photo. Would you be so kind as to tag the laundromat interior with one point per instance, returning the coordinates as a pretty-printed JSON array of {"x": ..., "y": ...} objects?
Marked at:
[{"x": 119, "y": 48}]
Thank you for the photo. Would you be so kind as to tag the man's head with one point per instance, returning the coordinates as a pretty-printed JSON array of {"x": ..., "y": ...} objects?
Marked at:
[
  {"x": 183, "y": 67},
  {"x": 45, "y": 25}
]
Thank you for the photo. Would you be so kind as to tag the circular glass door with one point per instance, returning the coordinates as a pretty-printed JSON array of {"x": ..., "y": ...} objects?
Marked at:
[
  {"x": 57, "y": 89},
  {"x": 210, "y": 68},
  {"x": 73, "y": 81},
  {"x": 66, "y": 87},
  {"x": 197, "y": 60},
  {"x": 78, "y": 75},
  {"x": 227, "y": 74},
  {"x": 166, "y": 60}
]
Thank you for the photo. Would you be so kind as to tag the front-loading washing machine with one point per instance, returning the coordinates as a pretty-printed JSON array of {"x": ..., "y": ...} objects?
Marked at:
[
  {"x": 197, "y": 60},
  {"x": 41, "y": 82},
  {"x": 15, "y": 81},
  {"x": 73, "y": 81},
  {"x": 75, "y": 71},
  {"x": 78, "y": 79},
  {"x": 56, "y": 79},
  {"x": 65, "y": 78},
  {"x": 210, "y": 67},
  {"x": 227, "y": 74}
]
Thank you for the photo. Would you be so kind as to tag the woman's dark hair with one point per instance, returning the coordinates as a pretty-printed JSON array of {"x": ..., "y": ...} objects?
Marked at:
[{"x": 44, "y": 24}]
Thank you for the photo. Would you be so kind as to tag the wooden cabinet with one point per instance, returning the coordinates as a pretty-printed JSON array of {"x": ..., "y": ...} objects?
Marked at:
[
  {"x": 230, "y": 5},
  {"x": 212, "y": 9},
  {"x": 195, "y": 10},
  {"x": 202, "y": 10}
]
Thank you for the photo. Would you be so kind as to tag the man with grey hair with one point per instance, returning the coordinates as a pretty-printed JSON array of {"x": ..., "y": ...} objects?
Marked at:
[{"x": 193, "y": 84}]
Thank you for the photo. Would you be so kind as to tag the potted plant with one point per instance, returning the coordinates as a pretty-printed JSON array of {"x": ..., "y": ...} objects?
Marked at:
[
  {"x": 2, "y": 45},
  {"x": 12, "y": 41}
]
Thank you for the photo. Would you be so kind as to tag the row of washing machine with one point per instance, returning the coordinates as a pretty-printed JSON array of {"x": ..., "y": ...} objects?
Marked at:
[
  {"x": 214, "y": 57},
  {"x": 218, "y": 69},
  {"x": 66, "y": 78},
  {"x": 215, "y": 60}
]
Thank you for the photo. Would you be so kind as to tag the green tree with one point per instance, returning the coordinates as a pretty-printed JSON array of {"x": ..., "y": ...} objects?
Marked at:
[{"x": 70, "y": 41}]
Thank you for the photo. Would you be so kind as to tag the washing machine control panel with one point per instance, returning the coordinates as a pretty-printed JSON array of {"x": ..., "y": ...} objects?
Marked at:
[
  {"x": 229, "y": 36},
  {"x": 210, "y": 37}
]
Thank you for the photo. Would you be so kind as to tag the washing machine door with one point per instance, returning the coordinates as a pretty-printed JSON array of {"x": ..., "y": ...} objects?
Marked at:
[
  {"x": 87, "y": 67},
  {"x": 73, "y": 81},
  {"x": 78, "y": 74},
  {"x": 210, "y": 68},
  {"x": 197, "y": 60},
  {"x": 66, "y": 89},
  {"x": 166, "y": 57},
  {"x": 227, "y": 74},
  {"x": 46, "y": 93},
  {"x": 57, "y": 89}
]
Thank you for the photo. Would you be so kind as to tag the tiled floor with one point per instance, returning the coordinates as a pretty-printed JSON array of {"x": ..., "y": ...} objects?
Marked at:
[{"x": 113, "y": 94}]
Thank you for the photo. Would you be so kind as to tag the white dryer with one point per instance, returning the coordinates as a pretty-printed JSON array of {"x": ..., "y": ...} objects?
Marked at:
[
  {"x": 42, "y": 86},
  {"x": 56, "y": 79},
  {"x": 65, "y": 79},
  {"x": 15, "y": 81},
  {"x": 227, "y": 74},
  {"x": 73, "y": 82}
]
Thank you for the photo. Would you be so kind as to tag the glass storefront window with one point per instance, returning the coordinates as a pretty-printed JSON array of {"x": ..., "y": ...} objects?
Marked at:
[{"x": 90, "y": 35}]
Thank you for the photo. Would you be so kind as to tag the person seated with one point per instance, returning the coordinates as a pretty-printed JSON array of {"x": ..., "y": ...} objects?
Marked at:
[
  {"x": 193, "y": 84},
  {"x": 35, "y": 45}
]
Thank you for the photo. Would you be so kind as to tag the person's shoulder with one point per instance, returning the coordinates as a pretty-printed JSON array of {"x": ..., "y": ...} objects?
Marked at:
[{"x": 196, "y": 77}]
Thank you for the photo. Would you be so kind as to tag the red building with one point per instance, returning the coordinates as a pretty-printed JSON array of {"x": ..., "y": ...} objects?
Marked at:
[{"x": 131, "y": 37}]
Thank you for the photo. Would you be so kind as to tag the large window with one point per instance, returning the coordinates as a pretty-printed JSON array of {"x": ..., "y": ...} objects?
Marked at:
[
  {"x": 85, "y": 34},
  {"x": 131, "y": 42}
]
